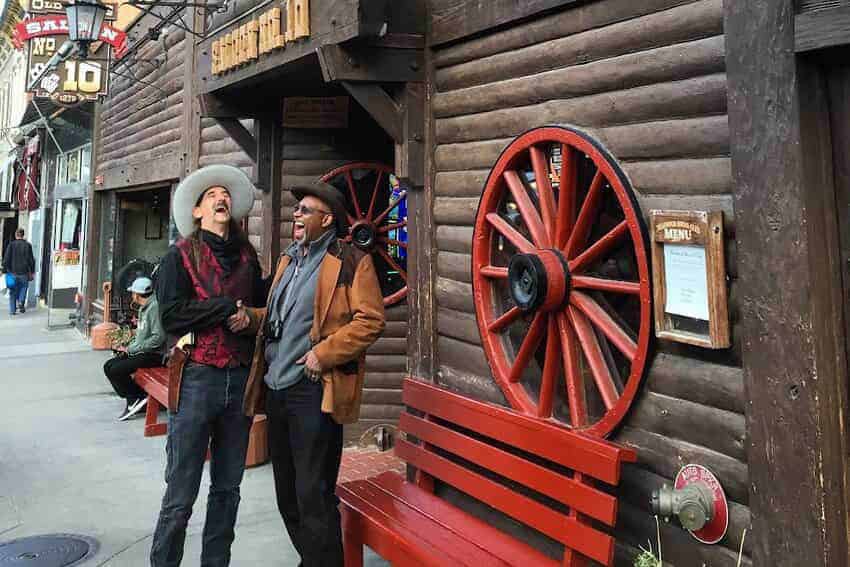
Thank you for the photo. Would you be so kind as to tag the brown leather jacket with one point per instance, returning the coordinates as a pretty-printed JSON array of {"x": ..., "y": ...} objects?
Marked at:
[{"x": 348, "y": 317}]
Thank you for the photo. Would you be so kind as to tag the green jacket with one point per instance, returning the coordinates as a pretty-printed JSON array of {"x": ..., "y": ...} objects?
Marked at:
[{"x": 149, "y": 335}]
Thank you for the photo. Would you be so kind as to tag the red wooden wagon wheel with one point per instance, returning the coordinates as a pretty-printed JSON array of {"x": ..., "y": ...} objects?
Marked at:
[
  {"x": 561, "y": 280},
  {"x": 377, "y": 215}
]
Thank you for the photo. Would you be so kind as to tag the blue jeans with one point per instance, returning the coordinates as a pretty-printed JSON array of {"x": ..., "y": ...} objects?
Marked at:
[
  {"x": 209, "y": 414},
  {"x": 19, "y": 293}
]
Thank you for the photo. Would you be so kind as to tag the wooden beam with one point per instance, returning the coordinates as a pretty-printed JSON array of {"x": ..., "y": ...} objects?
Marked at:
[
  {"x": 822, "y": 28},
  {"x": 410, "y": 152},
  {"x": 380, "y": 106},
  {"x": 243, "y": 138},
  {"x": 372, "y": 64},
  {"x": 455, "y": 19},
  {"x": 794, "y": 357}
]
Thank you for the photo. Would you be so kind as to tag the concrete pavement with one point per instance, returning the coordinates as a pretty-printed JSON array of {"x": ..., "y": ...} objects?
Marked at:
[{"x": 67, "y": 466}]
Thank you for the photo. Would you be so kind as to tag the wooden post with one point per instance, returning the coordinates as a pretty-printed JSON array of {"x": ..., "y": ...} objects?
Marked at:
[
  {"x": 93, "y": 235},
  {"x": 268, "y": 131},
  {"x": 794, "y": 360},
  {"x": 191, "y": 137}
]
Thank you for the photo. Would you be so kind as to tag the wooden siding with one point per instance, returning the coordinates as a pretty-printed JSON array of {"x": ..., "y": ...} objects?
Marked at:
[{"x": 647, "y": 79}]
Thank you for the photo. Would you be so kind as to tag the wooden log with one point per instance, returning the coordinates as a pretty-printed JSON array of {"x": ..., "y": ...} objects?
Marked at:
[
  {"x": 460, "y": 183},
  {"x": 386, "y": 380},
  {"x": 398, "y": 312},
  {"x": 475, "y": 386},
  {"x": 682, "y": 99},
  {"x": 381, "y": 396},
  {"x": 657, "y": 66},
  {"x": 684, "y": 23},
  {"x": 716, "y": 429},
  {"x": 454, "y": 295},
  {"x": 381, "y": 412},
  {"x": 395, "y": 329},
  {"x": 167, "y": 123},
  {"x": 387, "y": 345},
  {"x": 678, "y": 547},
  {"x": 458, "y": 325},
  {"x": 559, "y": 24},
  {"x": 455, "y": 266},
  {"x": 137, "y": 117},
  {"x": 666, "y": 139},
  {"x": 236, "y": 159},
  {"x": 636, "y": 487},
  {"x": 701, "y": 382},
  {"x": 313, "y": 167},
  {"x": 710, "y": 176},
  {"x": 454, "y": 239},
  {"x": 455, "y": 211},
  {"x": 385, "y": 363},
  {"x": 665, "y": 456},
  {"x": 462, "y": 356}
]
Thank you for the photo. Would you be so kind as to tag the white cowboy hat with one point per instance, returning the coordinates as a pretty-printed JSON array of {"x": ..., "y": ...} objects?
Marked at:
[{"x": 190, "y": 190}]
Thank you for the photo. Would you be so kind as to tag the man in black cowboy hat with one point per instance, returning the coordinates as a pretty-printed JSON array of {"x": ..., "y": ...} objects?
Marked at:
[{"x": 324, "y": 310}]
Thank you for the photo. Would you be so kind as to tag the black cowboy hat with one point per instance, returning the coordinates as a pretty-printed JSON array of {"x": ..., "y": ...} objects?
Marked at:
[{"x": 329, "y": 195}]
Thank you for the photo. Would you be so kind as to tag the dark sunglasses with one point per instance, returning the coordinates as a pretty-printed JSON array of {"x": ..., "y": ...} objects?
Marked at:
[{"x": 305, "y": 210}]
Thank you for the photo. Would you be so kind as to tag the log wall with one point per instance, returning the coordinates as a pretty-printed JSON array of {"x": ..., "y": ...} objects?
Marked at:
[
  {"x": 307, "y": 155},
  {"x": 648, "y": 80}
]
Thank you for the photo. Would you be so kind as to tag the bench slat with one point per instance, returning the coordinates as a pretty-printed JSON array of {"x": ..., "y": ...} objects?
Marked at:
[
  {"x": 580, "y": 537},
  {"x": 417, "y": 532},
  {"x": 599, "y": 459},
  {"x": 583, "y": 498},
  {"x": 467, "y": 526}
]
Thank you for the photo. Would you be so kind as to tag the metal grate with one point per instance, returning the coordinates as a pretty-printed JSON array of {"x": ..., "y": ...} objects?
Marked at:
[
  {"x": 813, "y": 5},
  {"x": 54, "y": 550}
]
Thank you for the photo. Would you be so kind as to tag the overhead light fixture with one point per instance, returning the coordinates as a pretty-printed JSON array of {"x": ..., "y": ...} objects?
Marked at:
[{"x": 85, "y": 20}]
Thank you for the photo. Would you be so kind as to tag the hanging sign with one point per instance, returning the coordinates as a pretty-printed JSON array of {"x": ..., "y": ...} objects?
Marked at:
[
  {"x": 57, "y": 7},
  {"x": 71, "y": 81},
  {"x": 689, "y": 277},
  {"x": 315, "y": 112},
  {"x": 57, "y": 24}
]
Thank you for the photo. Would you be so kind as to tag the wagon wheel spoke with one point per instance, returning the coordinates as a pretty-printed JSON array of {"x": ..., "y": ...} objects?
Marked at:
[
  {"x": 551, "y": 369},
  {"x": 353, "y": 192},
  {"x": 600, "y": 247},
  {"x": 588, "y": 211},
  {"x": 567, "y": 195},
  {"x": 593, "y": 353},
  {"x": 527, "y": 209},
  {"x": 495, "y": 272},
  {"x": 605, "y": 323},
  {"x": 601, "y": 284},
  {"x": 572, "y": 372},
  {"x": 393, "y": 242},
  {"x": 347, "y": 238},
  {"x": 388, "y": 210},
  {"x": 502, "y": 322},
  {"x": 540, "y": 165},
  {"x": 528, "y": 347},
  {"x": 374, "y": 195},
  {"x": 389, "y": 260},
  {"x": 514, "y": 237},
  {"x": 388, "y": 227},
  {"x": 351, "y": 219}
]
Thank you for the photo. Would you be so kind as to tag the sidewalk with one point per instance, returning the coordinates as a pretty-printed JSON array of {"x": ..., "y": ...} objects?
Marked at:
[{"x": 66, "y": 465}]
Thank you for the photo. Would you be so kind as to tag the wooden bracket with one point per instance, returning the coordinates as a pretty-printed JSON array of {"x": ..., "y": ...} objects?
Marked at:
[
  {"x": 214, "y": 107},
  {"x": 371, "y": 63},
  {"x": 240, "y": 135},
  {"x": 380, "y": 105}
]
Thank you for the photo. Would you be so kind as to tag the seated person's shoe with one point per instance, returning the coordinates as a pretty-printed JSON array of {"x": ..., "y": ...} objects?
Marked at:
[{"x": 136, "y": 408}]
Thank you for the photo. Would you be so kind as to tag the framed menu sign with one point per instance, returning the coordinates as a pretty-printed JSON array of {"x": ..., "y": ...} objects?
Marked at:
[{"x": 689, "y": 274}]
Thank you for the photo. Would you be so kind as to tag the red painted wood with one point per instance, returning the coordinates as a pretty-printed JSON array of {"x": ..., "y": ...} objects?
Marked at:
[
  {"x": 388, "y": 227},
  {"x": 352, "y": 537},
  {"x": 599, "y": 459},
  {"x": 593, "y": 502},
  {"x": 527, "y": 209},
  {"x": 495, "y": 272},
  {"x": 465, "y": 525},
  {"x": 385, "y": 255},
  {"x": 580, "y": 537},
  {"x": 551, "y": 369},
  {"x": 377, "y": 188},
  {"x": 605, "y": 323},
  {"x": 499, "y": 324},
  {"x": 529, "y": 346},
  {"x": 593, "y": 352},
  {"x": 352, "y": 192},
  {"x": 574, "y": 378},
  {"x": 393, "y": 204},
  {"x": 578, "y": 210}
]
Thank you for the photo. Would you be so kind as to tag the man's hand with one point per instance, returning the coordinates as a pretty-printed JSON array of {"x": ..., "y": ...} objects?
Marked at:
[
  {"x": 312, "y": 368},
  {"x": 240, "y": 320}
]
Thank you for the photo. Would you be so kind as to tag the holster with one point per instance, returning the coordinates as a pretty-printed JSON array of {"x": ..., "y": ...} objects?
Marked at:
[{"x": 176, "y": 363}]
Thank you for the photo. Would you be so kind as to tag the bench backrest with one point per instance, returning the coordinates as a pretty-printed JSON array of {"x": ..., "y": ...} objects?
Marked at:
[{"x": 496, "y": 439}]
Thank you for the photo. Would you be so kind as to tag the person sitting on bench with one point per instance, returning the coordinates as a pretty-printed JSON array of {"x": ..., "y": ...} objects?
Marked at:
[{"x": 144, "y": 351}]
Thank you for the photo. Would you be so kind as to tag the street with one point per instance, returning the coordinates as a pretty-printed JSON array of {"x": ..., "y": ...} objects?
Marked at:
[{"x": 67, "y": 466}]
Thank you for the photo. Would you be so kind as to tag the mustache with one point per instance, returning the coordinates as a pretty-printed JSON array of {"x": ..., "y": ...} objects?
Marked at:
[{"x": 221, "y": 204}]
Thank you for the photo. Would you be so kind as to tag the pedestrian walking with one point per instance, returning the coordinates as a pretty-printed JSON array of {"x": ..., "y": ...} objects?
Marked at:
[
  {"x": 324, "y": 310},
  {"x": 19, "y": 261},
  {"x": 204, "y": 284},
  {"x": 144, "y": 351}
]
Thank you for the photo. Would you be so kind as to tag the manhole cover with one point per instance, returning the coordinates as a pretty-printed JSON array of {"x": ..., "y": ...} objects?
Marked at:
[{"x": 58, "y": 550}]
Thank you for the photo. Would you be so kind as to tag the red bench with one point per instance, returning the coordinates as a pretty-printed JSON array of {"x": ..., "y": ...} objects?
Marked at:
[
  {"x": 407, "y": 524},
  {"x": 154, "y": 381}
]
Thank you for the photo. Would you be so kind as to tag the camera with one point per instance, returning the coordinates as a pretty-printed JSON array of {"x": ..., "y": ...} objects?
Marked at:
[{"x": 274, "y": 330}]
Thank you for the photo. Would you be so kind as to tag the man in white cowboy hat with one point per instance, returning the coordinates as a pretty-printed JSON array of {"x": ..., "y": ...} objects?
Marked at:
[
  {"x": 325, "y": 310},
  {"x": 204, "y": 283},
  {"x": 144, "y": 351}
]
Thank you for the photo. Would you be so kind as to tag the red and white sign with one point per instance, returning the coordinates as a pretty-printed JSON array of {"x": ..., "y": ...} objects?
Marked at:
[
  {"x": 56, "y": 24},
  {"x": 714, "y": 530}
]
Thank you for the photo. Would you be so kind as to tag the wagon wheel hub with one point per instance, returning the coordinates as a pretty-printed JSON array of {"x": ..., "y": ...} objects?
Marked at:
[
  {"x": 363, "y": 234},
  {"x": 539, "y": 280}
]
